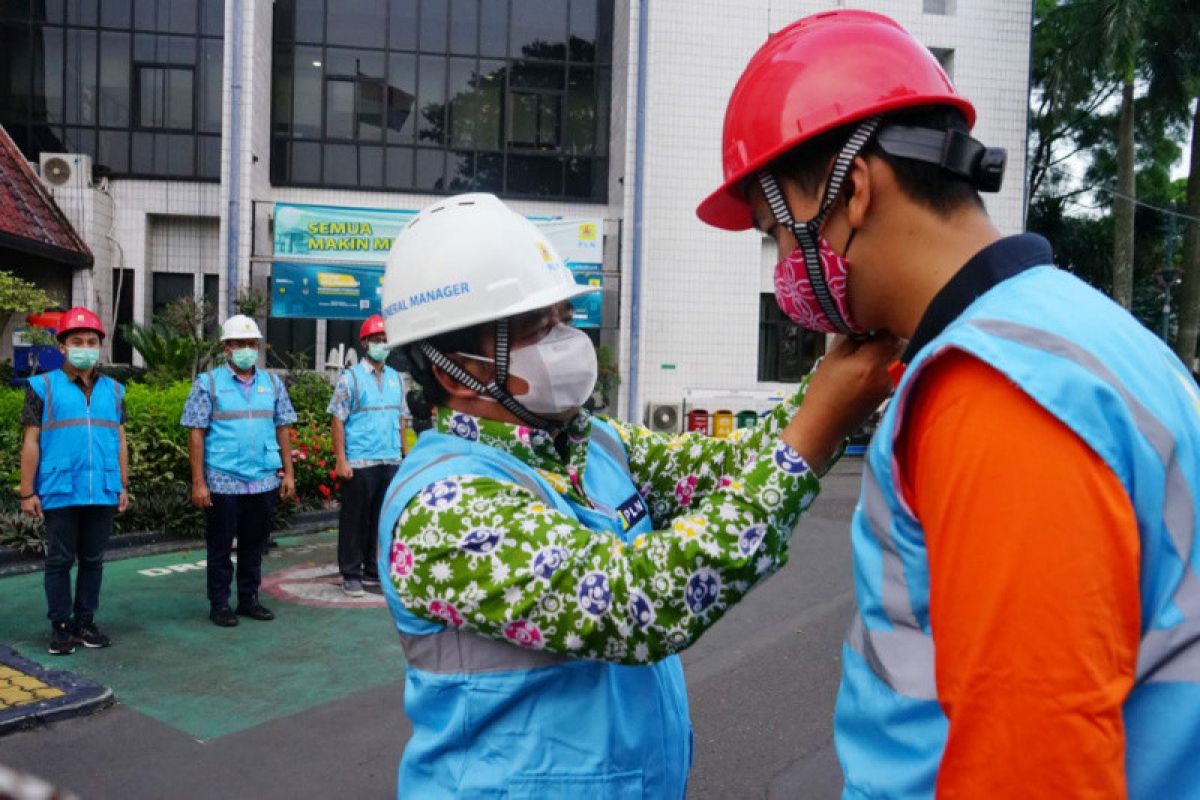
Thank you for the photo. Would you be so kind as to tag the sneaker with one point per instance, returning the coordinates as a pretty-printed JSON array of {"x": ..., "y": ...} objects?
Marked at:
[
  {"x": 88, "y": 635},
  {"x": 62, "y": 643},
  {"x": 254, "y": 610},
  {"x": 370, "y": 580},
  {"x": 352, "y": 588},
  {"x": 223, "y": 616}
]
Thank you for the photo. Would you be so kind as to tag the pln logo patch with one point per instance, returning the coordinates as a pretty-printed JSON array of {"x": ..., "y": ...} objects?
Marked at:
[{"x": 587, "y": 232}]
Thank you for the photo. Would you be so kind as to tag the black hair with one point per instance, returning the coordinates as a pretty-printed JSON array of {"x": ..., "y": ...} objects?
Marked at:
[
  {"x": 429, "y": 391},
  {"x": 927, "y": 184}
]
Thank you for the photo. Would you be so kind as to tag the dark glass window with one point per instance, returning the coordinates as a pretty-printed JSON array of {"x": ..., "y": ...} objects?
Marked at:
[
  {"x": 169, "y": 287},
  {"x": 291, "y": 342},
  {"x": 105, "y": 77},
  {"x": 122, "y": 288},
  {"x": 165, "y": 97},
  {"x": 786, "y": 352},
  {"x": 510, "y": 96},
  {"x": 212, "y": 298}
]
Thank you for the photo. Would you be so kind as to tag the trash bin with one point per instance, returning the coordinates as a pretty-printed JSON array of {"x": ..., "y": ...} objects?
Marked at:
[
  {"x": 697, "y": 421},
  {"x": 722, "y": 424},
  {"x": 747, "y": 418}
]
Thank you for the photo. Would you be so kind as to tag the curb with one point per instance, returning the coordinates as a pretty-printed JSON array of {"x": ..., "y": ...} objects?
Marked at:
[
  {"x": 79, "y": 695},
  {"x": 132, "y": 545}
]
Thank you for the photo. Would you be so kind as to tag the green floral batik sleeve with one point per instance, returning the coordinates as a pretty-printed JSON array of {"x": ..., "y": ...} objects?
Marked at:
[
  {"x": 488, "y": 556},
  {"x": 675, "y": 473}
]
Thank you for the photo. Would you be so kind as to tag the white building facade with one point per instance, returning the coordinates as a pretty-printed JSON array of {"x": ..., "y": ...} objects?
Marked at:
[{"x": 389, "y": 104}]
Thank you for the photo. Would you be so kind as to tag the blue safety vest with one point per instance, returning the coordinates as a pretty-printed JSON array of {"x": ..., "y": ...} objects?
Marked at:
[
  {"x": 1096, "y": 369},
  {"x": 80, "y": 441},
  {"x": 373, "y": 427},
  {"x": 494, "y": 720},
  {"x": 241, "y": 439}
]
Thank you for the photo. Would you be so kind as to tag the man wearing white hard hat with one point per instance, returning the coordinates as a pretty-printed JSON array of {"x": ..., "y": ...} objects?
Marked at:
[
  {"x": 544, "y": 566},
  {"x": 241, "y": 459}
]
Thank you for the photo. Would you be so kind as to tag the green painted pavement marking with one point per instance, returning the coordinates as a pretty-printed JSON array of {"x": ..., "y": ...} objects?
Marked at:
[{"x": 170, "y": 663}]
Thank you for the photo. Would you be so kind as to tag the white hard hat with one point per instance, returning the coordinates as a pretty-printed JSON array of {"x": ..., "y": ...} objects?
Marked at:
[
  {"x": 239, "y": 326},
  {"x": 465, "y": 260}
]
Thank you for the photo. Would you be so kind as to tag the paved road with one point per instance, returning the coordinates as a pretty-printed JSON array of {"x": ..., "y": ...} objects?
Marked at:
[{"x": 761, "y": 684}]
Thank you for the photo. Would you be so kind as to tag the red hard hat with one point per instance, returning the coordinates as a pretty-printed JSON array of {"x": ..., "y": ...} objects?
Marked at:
[
  {"x": 819, "y": 73},
  {"x": 371, "y": 326},
  {"x": 80, "y": 318}
]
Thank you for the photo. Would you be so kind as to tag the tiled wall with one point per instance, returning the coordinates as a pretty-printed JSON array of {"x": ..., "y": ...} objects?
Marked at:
[{"x": 700, "y": 286}]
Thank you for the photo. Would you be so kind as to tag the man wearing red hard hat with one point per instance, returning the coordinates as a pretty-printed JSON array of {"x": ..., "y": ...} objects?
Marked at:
[
  {"x": 366, "y": 412},
  {"x": 74, "y": 474},
  {"x": 1025, "y": 548}
]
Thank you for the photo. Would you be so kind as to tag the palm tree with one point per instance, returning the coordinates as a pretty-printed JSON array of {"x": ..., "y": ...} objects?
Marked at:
[
  {"x": 1173, "y": 66},
  {"x": 1122, "y": 47}
]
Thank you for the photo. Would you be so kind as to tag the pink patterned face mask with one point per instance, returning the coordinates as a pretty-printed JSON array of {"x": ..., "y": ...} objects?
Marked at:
[
  {"x": 810, "y": 284},
  {"x": 815, "y": 306}
]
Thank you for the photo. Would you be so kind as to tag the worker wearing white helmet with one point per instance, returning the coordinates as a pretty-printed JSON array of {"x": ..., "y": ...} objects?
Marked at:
[
  {"x": 544, "y": 565},
  {"x": 241, "y": 459}
]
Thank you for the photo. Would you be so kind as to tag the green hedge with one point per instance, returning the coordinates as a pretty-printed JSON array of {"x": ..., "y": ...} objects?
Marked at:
[{"x": 160, "y": 478}]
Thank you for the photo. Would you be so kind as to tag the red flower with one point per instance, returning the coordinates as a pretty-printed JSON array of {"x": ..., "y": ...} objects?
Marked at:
[
  {"x": 324, "y": 490},
  {"x": 332, "y": 472},
  {"x": 321, "y": 463}
]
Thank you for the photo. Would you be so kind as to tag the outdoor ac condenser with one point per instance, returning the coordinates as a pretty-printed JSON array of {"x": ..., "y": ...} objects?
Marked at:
[
  {"x": 664, "y": 417},
  {"x": 66, "y": 170}
]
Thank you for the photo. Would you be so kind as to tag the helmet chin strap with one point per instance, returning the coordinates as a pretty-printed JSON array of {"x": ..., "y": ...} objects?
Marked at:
[
  {"x": 806, "y": 233},
  {"x": 494, "y": 388}
]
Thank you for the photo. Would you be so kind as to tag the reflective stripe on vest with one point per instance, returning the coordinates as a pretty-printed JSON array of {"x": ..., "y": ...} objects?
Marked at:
[
  {"x": 903, "y": 657},
  {"x": 1165, "y": 654},
  {"x": 355, "y": 408},
  {"x": 80, "y": 442},
  {"x": 453, "y": 651},
  {"x": 242, "y": 439},
  {"x": 50, "y": 422},
  {"x": 81, "y": 422},
  {"x": 1124, "y": 394}
]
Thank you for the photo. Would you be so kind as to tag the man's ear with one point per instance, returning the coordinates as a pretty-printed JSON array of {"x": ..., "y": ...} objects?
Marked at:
[{"x": 858, "y": 192}]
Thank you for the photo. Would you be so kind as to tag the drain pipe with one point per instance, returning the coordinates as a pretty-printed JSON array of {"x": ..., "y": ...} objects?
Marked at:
[
  {"x": 233, "y": 218},
  {"x": 639, "y": 163}
]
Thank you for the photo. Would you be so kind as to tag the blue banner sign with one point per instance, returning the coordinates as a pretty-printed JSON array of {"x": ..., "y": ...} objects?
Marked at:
[
  {"x": 328, "y": 260},
  {"x": 325, "y": 291},
  {"x": 588, "y": 307}
]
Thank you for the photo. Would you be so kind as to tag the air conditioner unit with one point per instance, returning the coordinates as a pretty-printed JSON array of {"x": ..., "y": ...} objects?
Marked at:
[
  {"x": 664, "y": 417},
  {"x": 66, "y": 170}
]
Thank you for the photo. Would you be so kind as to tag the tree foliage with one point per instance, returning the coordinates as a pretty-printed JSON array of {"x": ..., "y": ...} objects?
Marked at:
[
  {"x": 1092, "y": 60},
  {"x": 19, "y": 296}
]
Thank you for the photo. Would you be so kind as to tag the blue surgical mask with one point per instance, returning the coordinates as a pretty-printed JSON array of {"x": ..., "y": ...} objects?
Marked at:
[
  {"x": 244, "y": 357},
  {"x": 377, "y": 351},
  {"x": 83, "y": 357}
]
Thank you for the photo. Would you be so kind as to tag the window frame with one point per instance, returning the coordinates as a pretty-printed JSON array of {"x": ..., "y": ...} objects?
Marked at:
[{"x": 465, "y": 165}]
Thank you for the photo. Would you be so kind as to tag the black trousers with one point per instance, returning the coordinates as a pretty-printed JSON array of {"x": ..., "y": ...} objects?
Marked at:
[
  {"x": 75, "y": 532},
  {"x": 358, "y": 520},
  {"x": 247, "y": 518}
]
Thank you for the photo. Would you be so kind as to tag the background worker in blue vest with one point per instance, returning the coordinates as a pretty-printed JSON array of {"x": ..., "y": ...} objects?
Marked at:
[
  {"x": 544, "y": 565},
  {"x": 74, "y": 473},
  {"x": 241, "y": 461},
  {"x": 366, "y": 411},
  {"x": 1026, "y": 554}
]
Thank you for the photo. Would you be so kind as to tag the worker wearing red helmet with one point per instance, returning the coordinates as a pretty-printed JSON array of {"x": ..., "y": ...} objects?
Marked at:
[
  {"x": 366, "y": 412},
  {"x": 74, "y": 474},
  {"x": 1025, "y": 548}
]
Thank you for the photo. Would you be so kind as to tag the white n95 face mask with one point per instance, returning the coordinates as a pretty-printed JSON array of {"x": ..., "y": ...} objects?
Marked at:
[{"x": 560, "y": 369}]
